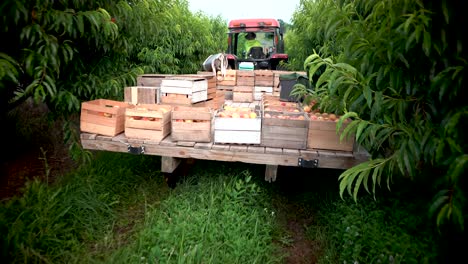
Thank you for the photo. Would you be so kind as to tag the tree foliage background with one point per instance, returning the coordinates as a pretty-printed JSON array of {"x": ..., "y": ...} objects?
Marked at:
[
  {"x": 65, "y": 52},
  {"x": 397, "y": 70}
]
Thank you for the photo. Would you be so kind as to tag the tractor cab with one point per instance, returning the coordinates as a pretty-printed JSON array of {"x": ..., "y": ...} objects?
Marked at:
[{"x": 268, "y": 49}]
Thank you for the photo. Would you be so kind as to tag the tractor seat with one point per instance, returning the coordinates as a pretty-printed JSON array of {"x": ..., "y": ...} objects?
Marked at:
[{"x": 256, "y": 53}]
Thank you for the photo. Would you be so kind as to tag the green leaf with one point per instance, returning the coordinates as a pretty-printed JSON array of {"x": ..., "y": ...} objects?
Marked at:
[
  {"x": 368, "y": 95},
  {"x": 443, "y": 214},
  {"x": 427, "y": 43},
  {"x": 360, "y": 128},
  {"x": 440, "y": 198},
  {"x": 458, "y": 218},
  {"x": 324, "y": 77},
  {"x": 349, "y": 129},
  {"x": 363, "y": 176},
  {"x": 458, "y": 168},
  {"x": 375, "y": 178},
  {"x": 344, "y": 118},
  {"x": 345, "y": 67}
]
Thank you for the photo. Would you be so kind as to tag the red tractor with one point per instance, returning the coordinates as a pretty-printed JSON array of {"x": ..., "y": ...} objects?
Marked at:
[
  {"x": 267, "y": 31},
  {"x": 268, "y": 51}
]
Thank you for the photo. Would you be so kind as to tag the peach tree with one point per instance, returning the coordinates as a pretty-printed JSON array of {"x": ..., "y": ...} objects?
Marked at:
[
  {"x": 64, "y": 52},
  {"x": 397, "y": 69}
]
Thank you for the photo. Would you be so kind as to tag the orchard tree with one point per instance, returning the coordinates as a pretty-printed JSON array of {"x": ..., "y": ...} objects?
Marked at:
[
  {"x": 64, "y": 52},
  {"x": 396, "y": 70}
]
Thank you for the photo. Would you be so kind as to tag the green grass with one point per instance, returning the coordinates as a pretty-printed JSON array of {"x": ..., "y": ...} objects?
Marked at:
[
  {"x": 207, "y": 219},
  {"x": 60, "y": 223},
  {"x": 119, "y": 210}
]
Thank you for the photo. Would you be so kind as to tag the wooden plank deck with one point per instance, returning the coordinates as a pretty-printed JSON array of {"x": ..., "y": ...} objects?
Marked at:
[{"x": 227, "y": 152}]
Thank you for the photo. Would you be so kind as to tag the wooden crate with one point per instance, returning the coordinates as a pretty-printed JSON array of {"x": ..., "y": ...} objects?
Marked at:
[
  {"x": 184, "y": 90},
  {"x": 148, "y": 122},
  {"x": 285, "y": 130},
  {"x": 242, "y": 94},
  {"x": 264, "y": 78},
  {"x": 191, "y": 124},
  {"x": 104, "y": 117},
  {"x": 153, "y": 80},
  {"x": 231, "y": 128},
  {"x": 210, "y": 79},
  {"x": 322, "y": 135},
  {"x": 260, "y": 91},
  {"x": 214, "y": 104},
  {"x": 227, "y": 80},
  {"x": 141, "y": 95},
  {"x": 245, "y": 78},
  {"x": 225, "y": 90}
]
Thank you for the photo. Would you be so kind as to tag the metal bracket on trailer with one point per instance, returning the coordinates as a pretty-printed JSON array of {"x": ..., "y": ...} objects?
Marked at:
[
  {"x": 308, "y": 163},
  {"x": 136, "y": 150}
]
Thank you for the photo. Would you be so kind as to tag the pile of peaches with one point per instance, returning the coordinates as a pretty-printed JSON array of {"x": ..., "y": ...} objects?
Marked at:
[
  {"x": 190, "y": 121},
  {"x": 316, "y": 115},
  {"x": 148, "y": 118},
  {"x": 108, "y": 114},
  {"x": 237, "y": 112},
  {"x": 284, "y": 116}
]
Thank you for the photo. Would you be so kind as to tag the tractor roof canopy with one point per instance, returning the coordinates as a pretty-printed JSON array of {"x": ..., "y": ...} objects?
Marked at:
[{"x": 253, "y": 23}]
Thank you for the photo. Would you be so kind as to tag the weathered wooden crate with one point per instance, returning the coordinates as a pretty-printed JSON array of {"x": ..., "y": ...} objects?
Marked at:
[
  {"x": 153, "y": 80},
  {"x": 183, "y": 90},
  {"x": 237, "y": 126},
  {"x": 245, "y": 78},
  {"x": 214, "y": 103},
  {"x": 225, "y": 90},
  {"x": 229, "y": 79},
  {"x": 242, "y": 94},
  {"x": 264, "y": 78},
  {"x": 104, "y": 117},
  {"x": 148, "y": 122},
  {"x": 192, "y": 124},
  {"x": 322, "y": 134},
  {"x": 285, "y": 130},
  {"x": 142, "y": 95},
  {"x": 260, "y": 91},
  {"x": 210, "y": 79}
]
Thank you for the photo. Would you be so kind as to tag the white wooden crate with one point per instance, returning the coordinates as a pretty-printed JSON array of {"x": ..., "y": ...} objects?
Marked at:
[
  {"x": 237, "y": 130},
  {"x": 183, "y": 85},
  {"x": 259, "y": 91},
  {"x": 195, "y": 89}
]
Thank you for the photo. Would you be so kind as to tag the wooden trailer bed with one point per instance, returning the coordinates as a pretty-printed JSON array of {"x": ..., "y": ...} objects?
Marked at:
[{"x": 172, "y": 152}]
